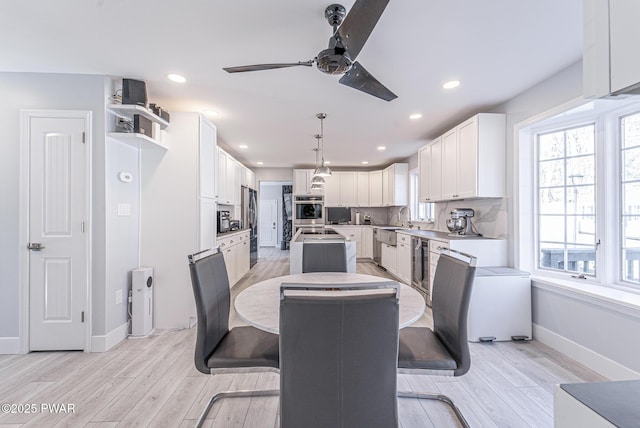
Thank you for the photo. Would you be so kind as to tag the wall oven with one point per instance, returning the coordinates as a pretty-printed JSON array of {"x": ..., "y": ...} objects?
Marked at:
[{"x": 308, "y": 210}]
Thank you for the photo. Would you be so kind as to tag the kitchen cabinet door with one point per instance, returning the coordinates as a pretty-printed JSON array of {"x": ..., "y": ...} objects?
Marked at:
[
  {"x": 354, "y": 234},
  {"x": 449, "y": 164},
  {"x": 467, "y": 159},
  {"x": 362, "y": 194},
  {"x": 388, "y": 258},
  {"x": 348, "y": 189},
  {"x": 233, "y": 181},
  {"x": 366, "y": 242},
  {"x": 375, "y": 188},
  {"x": 403, "y": 257},
  {"x": 430, "y": 171},
  {"x": 222, "y": 188},
  {"x": 332, "y": 190},
  {"x": 207, "y": 159}
]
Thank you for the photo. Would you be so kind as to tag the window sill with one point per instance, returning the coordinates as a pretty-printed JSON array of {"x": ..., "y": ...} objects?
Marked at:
[{"x": 612, "y": 298}]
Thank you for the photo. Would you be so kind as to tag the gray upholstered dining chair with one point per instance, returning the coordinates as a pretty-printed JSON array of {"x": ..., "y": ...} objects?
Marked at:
[
  {"x": 324, "y": 257},
  {"x": 338, "y": 359},
  {"x": 445, "y": 349},
  {"x": 218, "y": 348}
]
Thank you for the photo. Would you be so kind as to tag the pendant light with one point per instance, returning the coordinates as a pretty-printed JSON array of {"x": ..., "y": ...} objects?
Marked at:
[
  {"x": 317, "y": 181},
  {"x": 322, "y": 170}
]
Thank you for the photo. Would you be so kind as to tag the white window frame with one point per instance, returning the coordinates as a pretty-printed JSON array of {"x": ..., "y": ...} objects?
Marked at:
[{"x": 608, "y": 192}]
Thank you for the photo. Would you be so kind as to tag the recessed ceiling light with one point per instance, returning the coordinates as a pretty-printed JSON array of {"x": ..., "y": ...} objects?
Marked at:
[
  {"x": 382, "y": 148},
  {"x": 415, "y": 116},
  {"x": 259, "y": 162},
  {"x": 451, "y": 84},
  {"x": 243, "y": 146},
  {"x": 177, "y": 78},
  {"x": 210, "y": 113},
  {"x": 365, "y": 162}
]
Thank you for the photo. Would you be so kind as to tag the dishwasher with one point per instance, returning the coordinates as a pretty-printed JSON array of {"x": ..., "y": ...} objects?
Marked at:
[{"x": 420, "y": 267}]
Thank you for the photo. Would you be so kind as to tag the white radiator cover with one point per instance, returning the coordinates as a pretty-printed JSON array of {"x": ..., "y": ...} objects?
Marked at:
[{"x": 141, "y": 302}]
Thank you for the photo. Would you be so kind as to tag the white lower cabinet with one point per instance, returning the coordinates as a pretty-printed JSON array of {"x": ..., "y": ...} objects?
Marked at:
[
  {"x": 235, "y": 249},
  {"x": 388, "y": 258},
  {"x": 354, "y": 234},
  {"x": 366, "y": 250},
  {"x": 404, "y": 255}
]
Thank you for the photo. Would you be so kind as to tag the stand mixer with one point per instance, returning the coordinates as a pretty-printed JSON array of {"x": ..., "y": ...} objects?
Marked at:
[{"x": 460, "y": 222}]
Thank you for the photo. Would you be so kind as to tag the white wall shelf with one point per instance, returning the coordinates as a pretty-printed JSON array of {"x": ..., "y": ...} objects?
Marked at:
[
  {"x": 139, "y": 141},
  {"x": 128, "y": 110}
]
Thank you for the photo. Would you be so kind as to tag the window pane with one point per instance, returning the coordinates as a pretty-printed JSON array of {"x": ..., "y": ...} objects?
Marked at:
[
  {"x": 631, "y": 164},
  {"x": 552, "y": 201},
  {"x": 581, "y": 259},
  {"x": 551, "y": 173},
  {"x": 581, "y": 141},
  {"x": 631, "y": 198},
  {"x": 581, "y": 200},
  {"x": 631, "y": 131},
  {"x": 566, "y": 204},
  {"x": 551, "y": 145},
  {"x": 581, "y": 170},
  {"x": 551, "y": 255},
  {"x": 581, "y": 229},
  {"x": 551, "y": 228}
]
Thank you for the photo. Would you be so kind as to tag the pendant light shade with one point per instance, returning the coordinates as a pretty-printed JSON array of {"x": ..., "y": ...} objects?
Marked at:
[
  {"x": 317, "y": 180},
  {"x": 317, "y": 186},
  {"x": 322, "y": 170}
]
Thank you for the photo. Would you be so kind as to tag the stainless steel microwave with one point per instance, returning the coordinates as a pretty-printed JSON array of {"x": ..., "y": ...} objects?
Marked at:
[{"x": 308, "y": 210}]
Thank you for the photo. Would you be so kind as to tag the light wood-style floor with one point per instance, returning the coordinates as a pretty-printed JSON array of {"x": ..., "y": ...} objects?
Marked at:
[{"x": 152, "y": 382}]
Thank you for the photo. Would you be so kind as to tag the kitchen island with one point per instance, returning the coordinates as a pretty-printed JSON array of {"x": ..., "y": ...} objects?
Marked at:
[{"x": 318, "y": 236}]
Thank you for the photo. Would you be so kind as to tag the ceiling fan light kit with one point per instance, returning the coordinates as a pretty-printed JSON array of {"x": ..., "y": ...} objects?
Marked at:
[{"x": 350, "y": 32}]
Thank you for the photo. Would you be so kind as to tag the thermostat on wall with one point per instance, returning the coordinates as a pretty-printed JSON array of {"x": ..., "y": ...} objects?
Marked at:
[{"x": 125, "y": 177}]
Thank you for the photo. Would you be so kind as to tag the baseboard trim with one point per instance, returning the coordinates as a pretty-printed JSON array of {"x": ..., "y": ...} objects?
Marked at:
[
  {"x": 111, "y": 339},
  {"x": 10, "y": 345},
  {"x": 599, "y": 363}
]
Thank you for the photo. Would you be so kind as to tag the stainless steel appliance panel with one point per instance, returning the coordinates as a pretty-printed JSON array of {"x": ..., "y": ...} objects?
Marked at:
[
  {"x": 420, "y": 267},
  {"x": 308, "y": 210}
]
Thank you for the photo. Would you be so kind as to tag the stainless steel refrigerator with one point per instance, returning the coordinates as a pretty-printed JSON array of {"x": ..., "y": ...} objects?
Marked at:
[{"x": 250, "y": 221}]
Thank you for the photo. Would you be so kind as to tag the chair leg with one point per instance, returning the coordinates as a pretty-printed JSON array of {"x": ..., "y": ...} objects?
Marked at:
[
  {"x": 439, "y": 397},
  {"x": 231, "y": 394}
]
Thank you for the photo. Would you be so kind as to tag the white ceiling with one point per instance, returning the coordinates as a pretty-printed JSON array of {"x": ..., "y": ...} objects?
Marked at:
[{"x": 497, "y": 48}]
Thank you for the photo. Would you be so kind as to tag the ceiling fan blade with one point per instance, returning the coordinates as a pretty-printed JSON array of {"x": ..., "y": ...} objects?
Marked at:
[
  {"x": 359, "y": 23},
  {"x": 259, "y": 67},
  {"x": 360, "y": 79}
]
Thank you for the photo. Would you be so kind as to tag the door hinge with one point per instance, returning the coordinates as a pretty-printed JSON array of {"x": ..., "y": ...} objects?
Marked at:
[
  {"x": 84, "y": 137},
  {"x": 82, "y": 316}
]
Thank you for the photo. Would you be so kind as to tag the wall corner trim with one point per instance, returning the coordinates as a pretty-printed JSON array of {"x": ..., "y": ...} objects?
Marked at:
[{"x": 109, "y": 340}]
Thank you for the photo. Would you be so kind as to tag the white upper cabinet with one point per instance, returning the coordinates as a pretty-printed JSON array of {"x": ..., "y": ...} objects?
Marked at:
[
  {"x": 348, "y": 189},
  {"x": 375, "y": 188},
  {"x": 611, "y": 64},
  {"x": 332, "y": 190},
  {"x": 207, "y": 157},
  {"x": 229, "y": 179},
  {"x": 362, "y": 193},
  {"x": 473, "y": 159},
  {"x": 395, "y": 185},
  {"x": 430, "y": 171}
]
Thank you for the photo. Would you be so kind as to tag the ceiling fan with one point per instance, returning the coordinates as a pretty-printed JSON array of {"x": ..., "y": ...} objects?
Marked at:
[{"x": 350, "y": 32}]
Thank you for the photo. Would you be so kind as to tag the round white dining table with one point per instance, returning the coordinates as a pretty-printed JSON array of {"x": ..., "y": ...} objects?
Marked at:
[{"x": 259, "y": 304}]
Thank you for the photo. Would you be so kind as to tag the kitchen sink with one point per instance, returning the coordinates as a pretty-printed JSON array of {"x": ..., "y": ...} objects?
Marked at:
[{"x": 388, "y": 235}]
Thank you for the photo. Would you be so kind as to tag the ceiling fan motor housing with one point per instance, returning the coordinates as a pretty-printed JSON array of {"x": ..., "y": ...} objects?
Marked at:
[
  {"x": 335, "y": 13},
  {"x": 334, "y": 61}
]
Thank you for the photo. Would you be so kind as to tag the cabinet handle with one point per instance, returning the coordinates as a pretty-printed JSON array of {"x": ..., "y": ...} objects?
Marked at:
[{"x": 223, "y": 244}]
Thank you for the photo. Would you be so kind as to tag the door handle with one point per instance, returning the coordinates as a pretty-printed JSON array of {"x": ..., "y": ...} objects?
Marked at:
[{"x": 36, "y": 246}]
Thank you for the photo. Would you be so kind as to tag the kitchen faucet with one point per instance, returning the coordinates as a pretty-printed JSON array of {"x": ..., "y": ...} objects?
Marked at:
[{"x": 400, "y": 217}]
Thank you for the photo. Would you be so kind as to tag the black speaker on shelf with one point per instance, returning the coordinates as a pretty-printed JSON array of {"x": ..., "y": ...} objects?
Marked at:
[
  {"x": 142, "y": 125},
  {"x": 134, "y": 92}
]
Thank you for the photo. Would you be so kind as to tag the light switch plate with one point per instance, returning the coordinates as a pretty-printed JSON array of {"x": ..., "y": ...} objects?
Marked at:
[{"x": 118, "y": 297}]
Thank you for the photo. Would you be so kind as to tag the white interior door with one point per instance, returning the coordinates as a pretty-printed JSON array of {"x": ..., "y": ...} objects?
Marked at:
[
  {"x": 268, "y": 223},
  {"x": 58, "y": 180}
]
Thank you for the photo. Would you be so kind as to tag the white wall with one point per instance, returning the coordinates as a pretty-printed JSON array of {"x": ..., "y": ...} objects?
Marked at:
[
  {"x": 169, "y": 219},
  {"x": 273, "y": 174}
]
